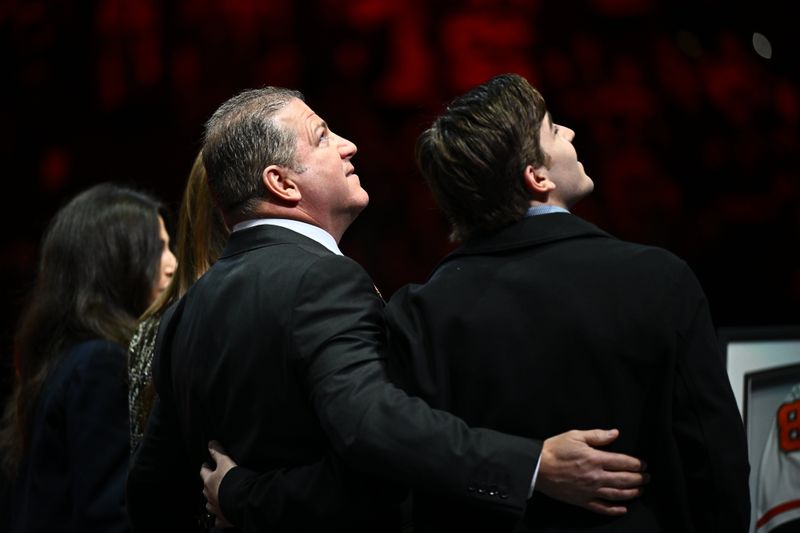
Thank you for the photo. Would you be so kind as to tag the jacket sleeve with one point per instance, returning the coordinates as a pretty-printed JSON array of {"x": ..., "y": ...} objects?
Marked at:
[
  {"x": 302, "y": 497},
  {"x": 97, "y": 439},
  {"x": 707, "y": 426},
  {"x": 338, "y": 333}
]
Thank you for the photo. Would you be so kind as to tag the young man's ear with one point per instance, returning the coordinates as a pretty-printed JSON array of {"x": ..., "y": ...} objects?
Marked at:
[
  {"x": 537, "y": 181},
  {"x": 280, "y": 185}
]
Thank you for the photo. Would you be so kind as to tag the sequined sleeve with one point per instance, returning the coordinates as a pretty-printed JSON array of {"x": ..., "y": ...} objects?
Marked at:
[{"x": 140, "y": 381}]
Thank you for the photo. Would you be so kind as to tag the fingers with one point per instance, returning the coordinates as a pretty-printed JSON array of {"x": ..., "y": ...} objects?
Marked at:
[
  {"x": 215, "y": 446},
  {"x": 598, "y": 437},
  {"x": 618, "y": 495},
  {"x": 618, "y": 462},
  {"x": 623, "y": 480},
  {"x": 607, "y": 460},
  {"x": 213, "y": 452},
  {"x": 218, "y": 454},
  {"x": 205, "y": 472},
  {"x": 621, "y": 486},
  {"x": 573, "y": 470},
  {"x": 606, "y": 508}
]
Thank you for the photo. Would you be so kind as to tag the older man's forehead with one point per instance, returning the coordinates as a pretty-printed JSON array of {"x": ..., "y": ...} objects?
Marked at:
[{"x": 299, "y": 115}]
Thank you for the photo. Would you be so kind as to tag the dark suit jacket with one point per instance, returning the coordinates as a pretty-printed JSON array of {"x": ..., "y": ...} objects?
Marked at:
[
  {"x": 276, "y": 352},
  {"x": 551, "y": 324},
  {"x": 72, "y": 478}
]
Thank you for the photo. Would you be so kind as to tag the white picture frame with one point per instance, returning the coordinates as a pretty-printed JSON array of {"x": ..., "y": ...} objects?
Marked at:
[{"x": 763, "y": 366}]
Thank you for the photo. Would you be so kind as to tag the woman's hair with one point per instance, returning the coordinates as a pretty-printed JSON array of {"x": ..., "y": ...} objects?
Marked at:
[
  {"x": 201, "y": 236},
  {"x": 98, "y": 264}
]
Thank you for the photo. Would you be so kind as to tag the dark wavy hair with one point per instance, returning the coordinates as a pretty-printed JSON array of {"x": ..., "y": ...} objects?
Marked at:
[
  {"x": 98, "y": 264},
  {"x": 474, "y": 154}
]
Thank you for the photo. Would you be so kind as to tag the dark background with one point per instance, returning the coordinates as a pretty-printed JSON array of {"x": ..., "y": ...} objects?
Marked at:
[{"x": 691, "y": 137}]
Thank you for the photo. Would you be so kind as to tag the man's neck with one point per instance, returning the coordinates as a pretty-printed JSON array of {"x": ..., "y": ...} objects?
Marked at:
[
  {"x": 549, "y": 202},
  {"x": 267, "y": 209}
]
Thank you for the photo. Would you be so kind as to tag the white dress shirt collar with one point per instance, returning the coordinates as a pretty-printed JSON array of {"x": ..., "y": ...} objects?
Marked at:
[{"x": 312, "y": 232}]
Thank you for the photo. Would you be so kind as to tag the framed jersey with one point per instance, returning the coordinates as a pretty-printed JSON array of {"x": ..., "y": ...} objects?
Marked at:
[{"x": 764, "y": 370}]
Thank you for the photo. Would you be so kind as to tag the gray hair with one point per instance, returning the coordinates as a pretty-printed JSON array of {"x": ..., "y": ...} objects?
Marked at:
[{"x": 241, "y": 140}]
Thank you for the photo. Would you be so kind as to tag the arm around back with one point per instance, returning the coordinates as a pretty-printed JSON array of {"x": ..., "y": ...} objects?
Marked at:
[{"x": 338, "y": 336}]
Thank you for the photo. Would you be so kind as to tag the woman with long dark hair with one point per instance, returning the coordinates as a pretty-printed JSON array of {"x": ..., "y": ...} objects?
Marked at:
[{"x": 64, "y": 439}]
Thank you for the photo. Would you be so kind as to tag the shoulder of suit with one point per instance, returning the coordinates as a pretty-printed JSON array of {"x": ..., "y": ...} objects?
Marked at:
[
  {"x": 338, "y": 263},
  {"x": 654, "y": 254}
]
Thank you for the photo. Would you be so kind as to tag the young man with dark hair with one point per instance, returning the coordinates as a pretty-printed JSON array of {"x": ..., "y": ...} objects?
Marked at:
[{"x": 540, "y": 311}]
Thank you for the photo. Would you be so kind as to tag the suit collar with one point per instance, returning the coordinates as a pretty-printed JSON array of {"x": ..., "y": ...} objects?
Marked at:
[
  {"x": 268, "y": 235},
  {"x": 303, "y": 228},
  {"x": 531, "y": 231}
]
